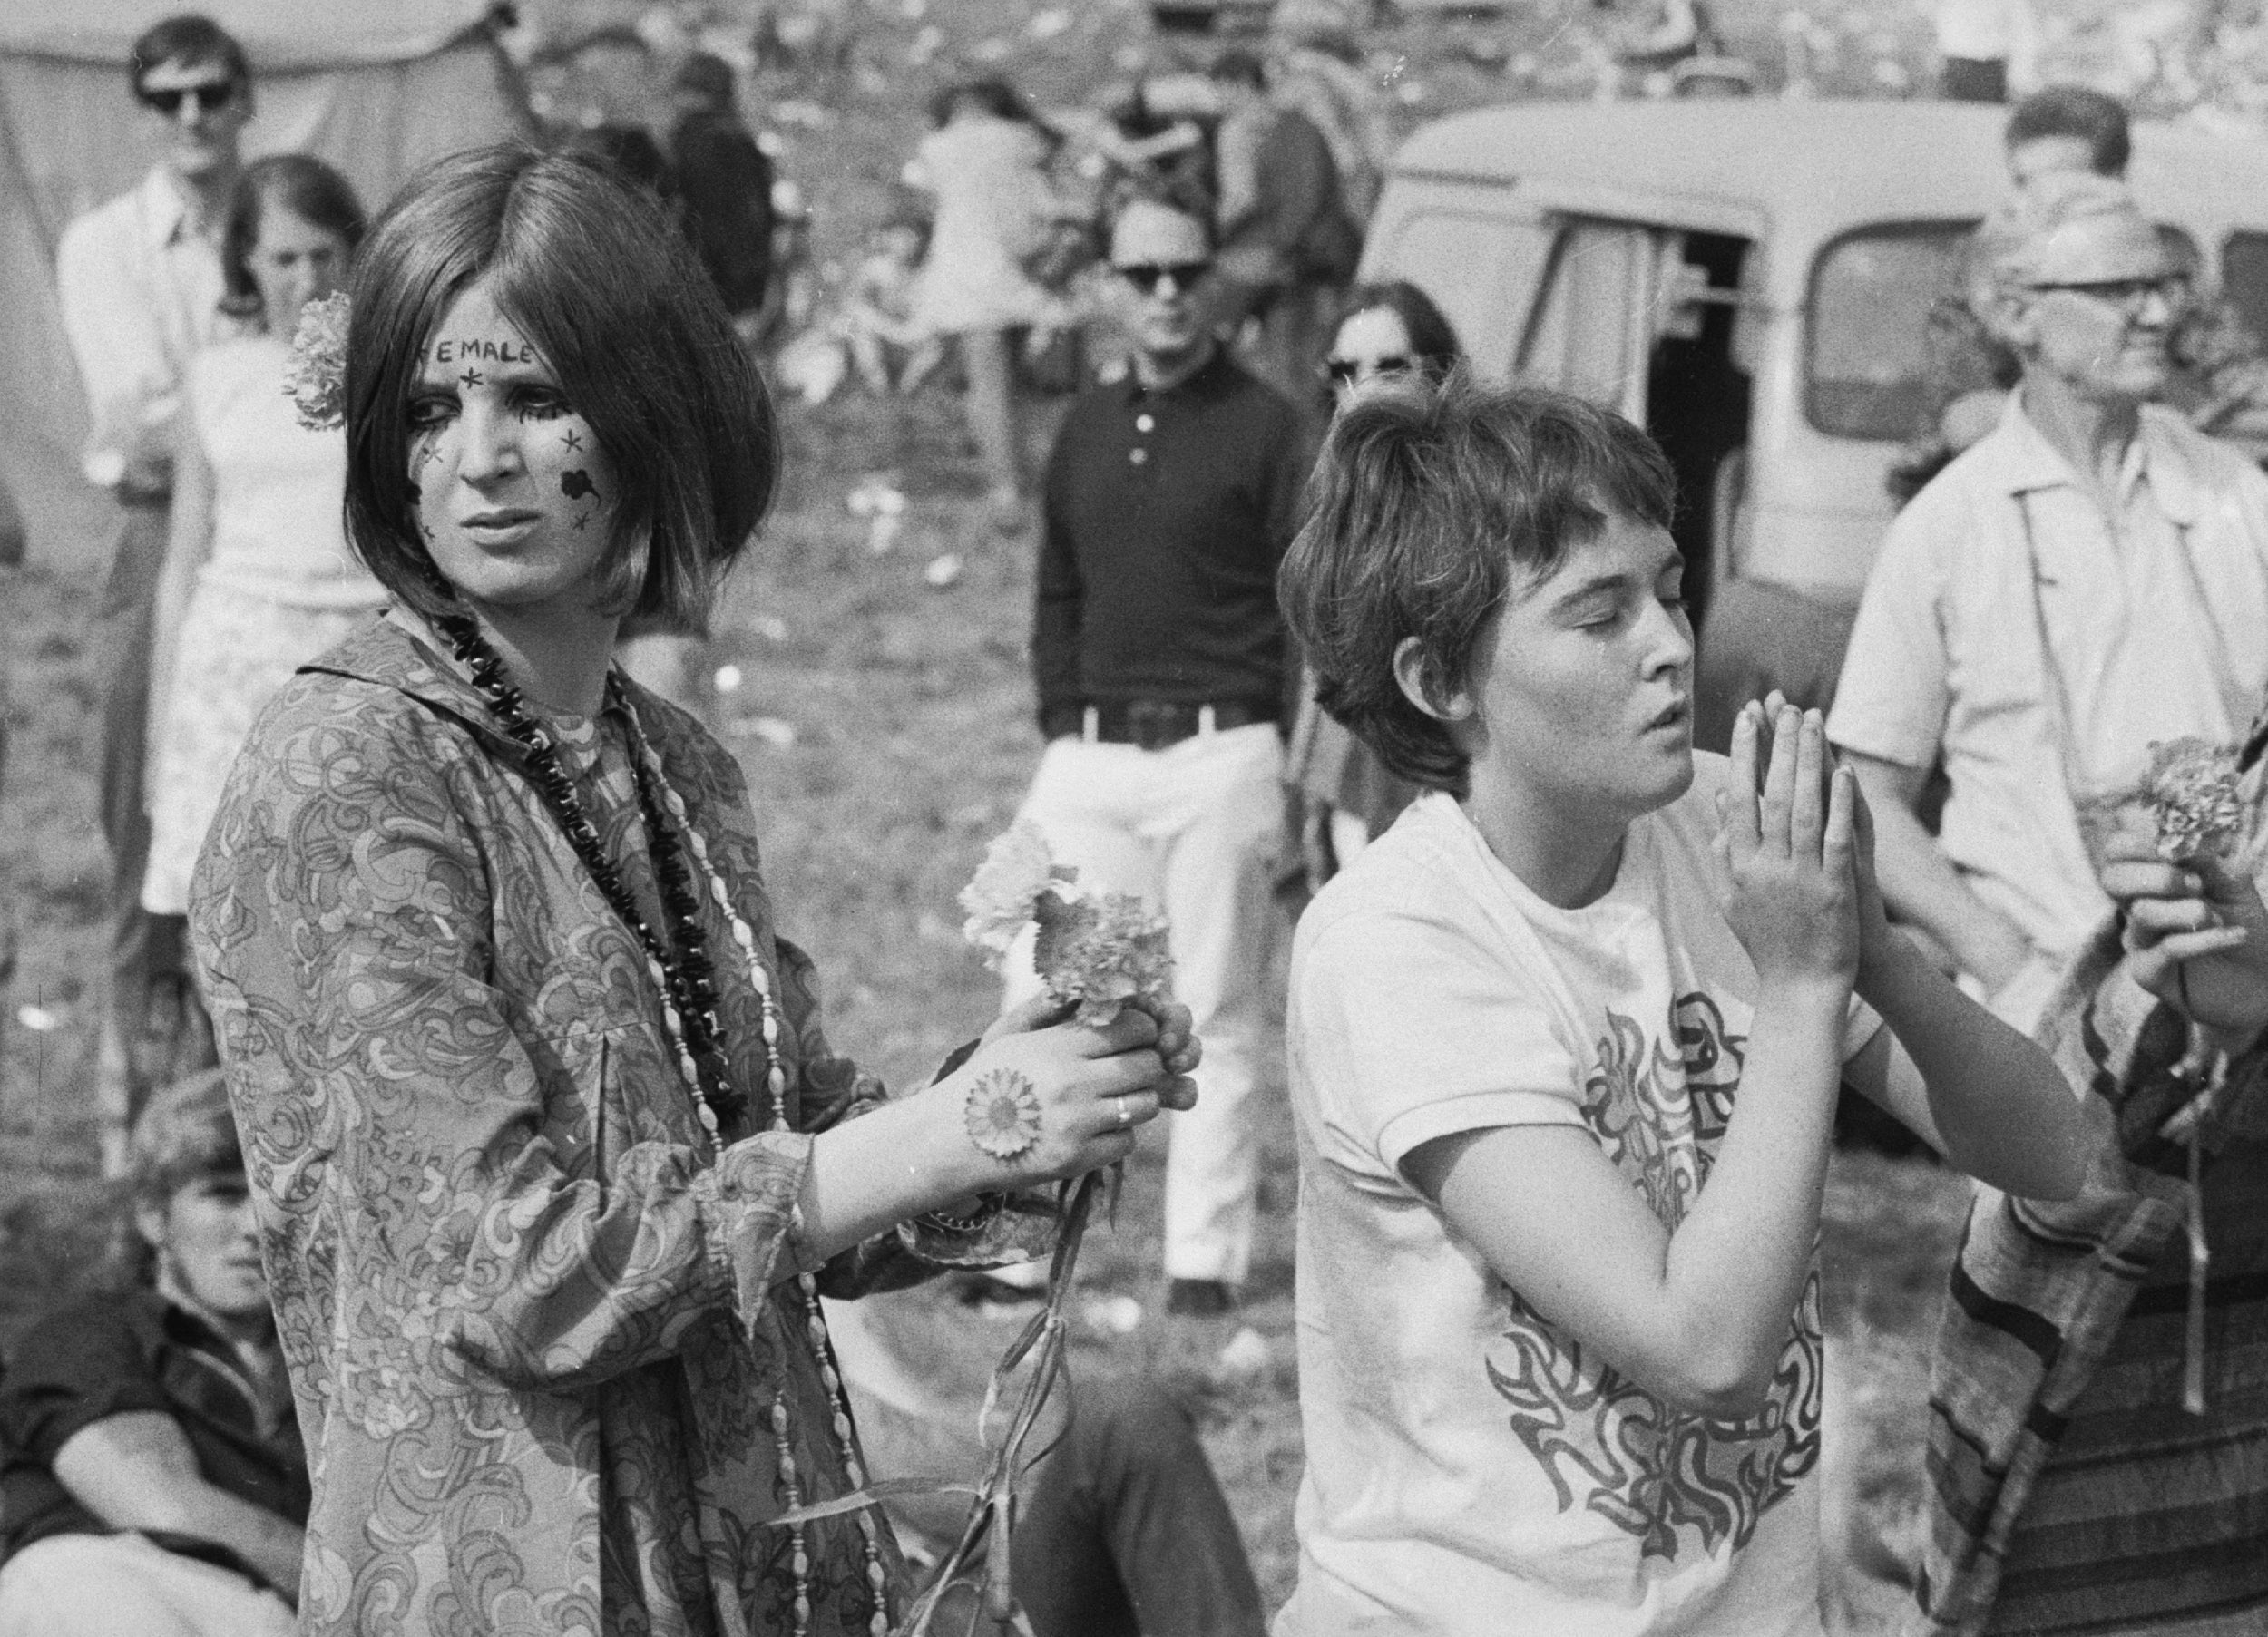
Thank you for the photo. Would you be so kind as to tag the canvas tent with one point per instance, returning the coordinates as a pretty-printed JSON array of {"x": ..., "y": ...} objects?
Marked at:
[{"x": 376, "y": 87}]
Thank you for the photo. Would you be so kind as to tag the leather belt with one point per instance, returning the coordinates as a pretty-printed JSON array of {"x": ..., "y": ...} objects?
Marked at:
[{"x": 1158, "y": 724}]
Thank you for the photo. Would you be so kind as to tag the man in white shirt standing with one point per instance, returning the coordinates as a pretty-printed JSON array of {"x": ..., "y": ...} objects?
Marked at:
[
  {"x": 139, "y": 284},
  {"x": 2089, "y": 578}
]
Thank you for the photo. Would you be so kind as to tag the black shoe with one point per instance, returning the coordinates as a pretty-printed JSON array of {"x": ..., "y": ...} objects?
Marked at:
[{"x": 1199, "y": 1297}]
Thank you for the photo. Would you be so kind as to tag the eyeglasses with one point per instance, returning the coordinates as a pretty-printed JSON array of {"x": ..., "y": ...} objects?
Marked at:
[
  {"x": 1347, "y": 372},
  {"x": 211, "y": 97},
  {"x": 2128, "y": 293},
  {"x": 1147, "y": 276}
]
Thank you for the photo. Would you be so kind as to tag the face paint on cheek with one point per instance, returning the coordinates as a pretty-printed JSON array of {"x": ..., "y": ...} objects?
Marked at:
[
  {"x": 577, "y": 484},
  {"x": 573, "y": 440}
]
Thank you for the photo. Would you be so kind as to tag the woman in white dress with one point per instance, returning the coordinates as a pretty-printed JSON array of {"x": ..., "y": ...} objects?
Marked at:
[
  {"x": 257, "y": 579},
  {"x": 986, "y": 163}
]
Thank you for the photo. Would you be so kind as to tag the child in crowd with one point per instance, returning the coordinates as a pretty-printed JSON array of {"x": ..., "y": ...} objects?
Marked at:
[
  {"x": 152, "y": 1479},
  {"x": 892, "y": 350},
  {"x": 1564, "y": 1047}
]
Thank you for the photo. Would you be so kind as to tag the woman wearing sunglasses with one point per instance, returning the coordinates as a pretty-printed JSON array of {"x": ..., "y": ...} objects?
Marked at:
[{"x": 1385, "y": 331}]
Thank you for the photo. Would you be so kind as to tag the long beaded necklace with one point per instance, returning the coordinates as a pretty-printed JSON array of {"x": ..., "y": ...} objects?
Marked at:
[{"x": 689, "y": 1014}]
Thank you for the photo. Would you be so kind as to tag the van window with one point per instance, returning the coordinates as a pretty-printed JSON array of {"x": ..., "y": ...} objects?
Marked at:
[
  {"x": 1481, "y": 270},
  {"x": 2245, "y": 277},
  {"x": 1601, "y": 310},
  {"x": 1867, "y": 371}
]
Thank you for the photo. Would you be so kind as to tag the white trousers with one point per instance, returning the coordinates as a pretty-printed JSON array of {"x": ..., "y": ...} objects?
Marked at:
[
  {"x": 121, "y": 1585},
  {"x": 1195, "y": 829}
]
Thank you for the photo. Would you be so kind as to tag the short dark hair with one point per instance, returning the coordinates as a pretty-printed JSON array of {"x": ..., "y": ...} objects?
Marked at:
[
  {"x": 705, "y": 75},
  {"x": 1237, "y": 66},
  {"x": 184, "y": 1134},
  {"x": 613, "y": 300},
  {"x": 1426, "y": 501},
  {"x": 2093, "y": 117},
  {"x": 189, "y": 39},
  {"x": 632, "y": 151},
  {"x": 299, "y": 183},
  {"x": 1433, "y": 338},
  {"x": 997, "y": 96}
]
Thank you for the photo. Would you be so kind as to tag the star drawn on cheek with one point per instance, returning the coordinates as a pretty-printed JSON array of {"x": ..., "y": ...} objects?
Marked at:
[
  {"x": 571, "y": 439},
  {"x": 471, "y": 377},
  {"x": 581, "y": 519}
]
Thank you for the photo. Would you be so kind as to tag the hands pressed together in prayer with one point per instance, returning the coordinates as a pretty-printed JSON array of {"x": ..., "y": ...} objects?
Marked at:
[{"x": 1798, "y": 847}]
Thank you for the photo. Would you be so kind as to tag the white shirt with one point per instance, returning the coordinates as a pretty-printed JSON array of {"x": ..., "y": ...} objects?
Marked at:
[
  {"x": 1472, "y": 1469},
  {"x": 1985, "y": 31},
  {"x": 277, "y": 488},
  {"x": 139, "y": 293},
  {"x": 2004, "y": 600}
]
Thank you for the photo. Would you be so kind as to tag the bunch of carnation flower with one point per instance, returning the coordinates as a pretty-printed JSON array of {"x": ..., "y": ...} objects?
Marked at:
[
  {"x": 316, "y": 378},
  {"x": 1096, "y": 950}
]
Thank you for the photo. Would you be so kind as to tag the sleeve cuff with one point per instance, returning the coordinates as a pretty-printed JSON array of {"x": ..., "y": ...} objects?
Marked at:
[
  {"x": 1474, "y": 1111},
  {"x": 752, "y": 1216}
]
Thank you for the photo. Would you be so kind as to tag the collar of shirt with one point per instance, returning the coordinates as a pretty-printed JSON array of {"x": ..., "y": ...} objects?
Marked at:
[
  {"x": 2030, "y": 462},
  {"x": 162, "y": 213},
  {"x": 1208, "y": 380}
]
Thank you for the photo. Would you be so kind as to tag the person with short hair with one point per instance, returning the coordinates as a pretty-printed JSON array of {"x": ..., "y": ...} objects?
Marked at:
[
  {"x": 1565, "y": 1049},
  {"x": 258, "y": 577},
  {"x": 551, "y": 1157},
  {"x": 2067, "y": 128},
  {"x": 1158, "y": 660},
  {"x": 1386, "y": 332},
  {"x": 2088, "y": 579},
  {"x": 725, "y": 179},
  {"x": 153, "y": 1484},
  {"x": 1985, "y": 48},
  {"x": 1287, "y": 243},
  {"x": 139, "y": 284}
]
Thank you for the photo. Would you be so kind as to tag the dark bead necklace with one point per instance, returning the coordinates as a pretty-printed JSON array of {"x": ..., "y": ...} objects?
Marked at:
[{"x": 682, "y": 956}]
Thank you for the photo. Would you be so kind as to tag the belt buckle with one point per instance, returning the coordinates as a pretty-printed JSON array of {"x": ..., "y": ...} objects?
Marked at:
[{"x": 1156, "y": 724}]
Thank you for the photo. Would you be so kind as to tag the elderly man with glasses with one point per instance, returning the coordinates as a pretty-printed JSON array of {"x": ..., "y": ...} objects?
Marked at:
[
  {"x": 1159, "y": 653},
  {"x": 139, "y": 284},
  {"x": 2089, "y": 579}
]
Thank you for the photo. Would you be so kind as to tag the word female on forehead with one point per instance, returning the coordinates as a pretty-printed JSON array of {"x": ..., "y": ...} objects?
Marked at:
[{"x": 471, "y": 349}]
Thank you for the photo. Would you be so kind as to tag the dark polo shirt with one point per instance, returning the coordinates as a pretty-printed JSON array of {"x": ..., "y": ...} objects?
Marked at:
[
  {"x": 1164, "y": 516},
  {"x": 110, "y": 1355}
]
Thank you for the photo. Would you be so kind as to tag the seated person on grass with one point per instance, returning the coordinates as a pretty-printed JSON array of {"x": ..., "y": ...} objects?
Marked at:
[
  {"x": 1564, "y": 1050},
  {"x": 154, "y": 1484}
]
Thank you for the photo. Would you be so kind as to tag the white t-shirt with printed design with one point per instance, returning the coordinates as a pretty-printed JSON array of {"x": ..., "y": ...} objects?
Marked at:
[{"x": 1470, "y": 1468}]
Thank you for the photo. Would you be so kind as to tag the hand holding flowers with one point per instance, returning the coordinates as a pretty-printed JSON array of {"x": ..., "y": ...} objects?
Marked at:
[{"x": 2182, "y": 870}]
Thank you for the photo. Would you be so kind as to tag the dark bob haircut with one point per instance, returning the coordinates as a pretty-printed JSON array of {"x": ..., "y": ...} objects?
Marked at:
[
  {"x": 996, "y": 95},
  {"x": 306, "y": 187},
  {"x": 2080, "y": 111},
  {"x": 603, "y": 285},
  {"x": 189, "y": 40},
  {"x": 1427, "y": 504},
  {"x": 1432, "y": 339}
]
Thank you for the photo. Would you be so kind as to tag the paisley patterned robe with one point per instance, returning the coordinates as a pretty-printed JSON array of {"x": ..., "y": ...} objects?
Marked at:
[{"x": 534, "y": 1318}]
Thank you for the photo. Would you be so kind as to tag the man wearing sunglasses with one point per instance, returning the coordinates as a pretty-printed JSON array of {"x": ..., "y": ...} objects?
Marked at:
[
  {"x": 2088, "y": 579},
  {"x": 1159, "y": 654},
  {"x": 139, "y": 285}
]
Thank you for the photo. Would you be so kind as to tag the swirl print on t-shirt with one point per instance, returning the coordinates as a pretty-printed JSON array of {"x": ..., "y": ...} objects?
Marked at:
[{"x": 1664, "y": 1475}]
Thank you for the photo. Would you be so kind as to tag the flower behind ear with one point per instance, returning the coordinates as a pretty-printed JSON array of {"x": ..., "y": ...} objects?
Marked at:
[{"x": 316, "y": 378}]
